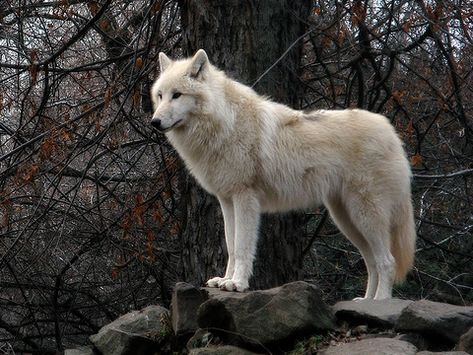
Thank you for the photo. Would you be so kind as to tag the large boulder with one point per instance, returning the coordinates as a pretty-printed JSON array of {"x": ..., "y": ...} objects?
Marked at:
[
  {"x": 266, "y": 317},
  {"x": 135, "y": 333},
  {"x": 433, "y": 319},
  {"x": 185, "y": 302},
  {"x": 382, "y": 313},
  {"x": 378, "y": 346}
]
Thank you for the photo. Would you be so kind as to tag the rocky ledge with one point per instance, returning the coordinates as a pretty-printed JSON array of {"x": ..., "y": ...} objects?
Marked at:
[{"x": 288, "y": 319}]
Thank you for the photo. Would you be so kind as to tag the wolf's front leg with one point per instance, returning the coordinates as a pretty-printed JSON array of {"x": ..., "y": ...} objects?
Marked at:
[
  {"x": 246, "y": 209},
  {"x": 229, "y": 221}
]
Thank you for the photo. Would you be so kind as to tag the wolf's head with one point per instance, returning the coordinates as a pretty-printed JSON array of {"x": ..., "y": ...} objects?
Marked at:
[{"x": 177, "y": 92}]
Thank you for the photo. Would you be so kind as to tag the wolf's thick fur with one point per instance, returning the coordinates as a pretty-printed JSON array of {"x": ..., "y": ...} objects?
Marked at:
[{"x": 258, "y": 156}]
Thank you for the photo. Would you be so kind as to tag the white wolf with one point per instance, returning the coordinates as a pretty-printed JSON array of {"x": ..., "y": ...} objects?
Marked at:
[{"x": 259, "y": 156}]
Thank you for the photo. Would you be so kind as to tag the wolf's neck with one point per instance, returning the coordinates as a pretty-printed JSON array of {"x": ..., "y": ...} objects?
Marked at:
[{"x": 208, "y": 133}]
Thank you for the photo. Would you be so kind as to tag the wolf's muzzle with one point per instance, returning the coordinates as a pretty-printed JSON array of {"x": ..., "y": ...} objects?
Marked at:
[{"x": 156, "y": 124}]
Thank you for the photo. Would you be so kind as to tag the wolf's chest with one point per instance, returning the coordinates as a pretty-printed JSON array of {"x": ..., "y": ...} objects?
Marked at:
[{"x": 218, "y": 171}]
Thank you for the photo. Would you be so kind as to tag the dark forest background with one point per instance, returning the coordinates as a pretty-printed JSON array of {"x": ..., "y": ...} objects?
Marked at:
[{"x": 98, "y": 215}]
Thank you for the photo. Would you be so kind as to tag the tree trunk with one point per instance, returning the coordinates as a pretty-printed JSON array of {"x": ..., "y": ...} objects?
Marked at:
[{"x": 245, "y": 38}]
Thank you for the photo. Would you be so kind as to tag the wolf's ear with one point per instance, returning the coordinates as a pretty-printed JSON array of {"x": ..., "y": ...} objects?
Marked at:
[
  {"x": 200, "y": 63},
  {"x": 164, "y": 61}
]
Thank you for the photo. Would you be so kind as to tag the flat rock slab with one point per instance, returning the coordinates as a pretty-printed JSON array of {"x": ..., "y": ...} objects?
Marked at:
[
  {"x": 442, "y": 353},
  {"x": 222, "y": 350},
  {"x": 383, "y": 313},
  {"x": 466, "y": 342},
  {"x": 135, "y": 333},
  {"x": 435, "y": 319},
  {"x": 269, "y": 316},
  {"x": 216, "y": 293},
  {"x": 378, "y": 346},
  {"x": 84, "y": 350}
]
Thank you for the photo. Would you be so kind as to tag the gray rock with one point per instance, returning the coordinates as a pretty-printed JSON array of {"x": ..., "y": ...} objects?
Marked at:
[
  {"x": 442, "y": 353},
  {"x": 378, "y": 346},
  {"x": 221, "y": 350},
  {"x": 466, "y": 342},
  {"x": 415, "y": 339},
  {"x": 440, "y": 320},
  {"x": 135, "y": 333},
  {"x": 185, "y": 301},
  {"x": 83, "y": 350},
  {"x": 382, "y": 313},
  {"x": 265, "y": 317}
]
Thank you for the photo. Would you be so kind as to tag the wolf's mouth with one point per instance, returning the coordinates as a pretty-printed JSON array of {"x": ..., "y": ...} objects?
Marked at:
[{"x": 164, "y": 130}]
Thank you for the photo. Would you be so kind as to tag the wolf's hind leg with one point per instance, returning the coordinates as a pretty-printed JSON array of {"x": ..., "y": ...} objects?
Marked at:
[
  {"x": 372, "y": 220},
  {"x": 342, "y": 219},
  {"x": 247, "y": 216},
  {"x": 229, "y": 222}
]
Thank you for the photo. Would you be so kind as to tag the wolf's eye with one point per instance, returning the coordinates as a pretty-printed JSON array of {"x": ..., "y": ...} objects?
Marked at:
[
  {"x": 176, "y": 95},
  {"x": 160, "y": 96}
]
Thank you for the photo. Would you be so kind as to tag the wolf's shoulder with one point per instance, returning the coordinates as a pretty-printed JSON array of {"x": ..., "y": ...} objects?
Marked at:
[{"x": 349, "y": 114}]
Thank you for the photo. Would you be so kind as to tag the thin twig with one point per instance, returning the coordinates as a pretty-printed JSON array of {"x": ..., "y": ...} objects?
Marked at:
[
  {"x": 445, "y": 176},
  {"x": 282, "y": 56}
]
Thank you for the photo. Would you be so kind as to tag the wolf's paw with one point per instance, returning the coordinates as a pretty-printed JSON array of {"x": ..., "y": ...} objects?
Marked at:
[
  {"x": 232, "y": 285},
  {"x": 216, "y": 281},
  {"x": 359, "y": 299}
]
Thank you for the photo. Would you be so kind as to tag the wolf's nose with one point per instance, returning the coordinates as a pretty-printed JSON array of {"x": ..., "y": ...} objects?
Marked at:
[{"x": 156, "y": 123}]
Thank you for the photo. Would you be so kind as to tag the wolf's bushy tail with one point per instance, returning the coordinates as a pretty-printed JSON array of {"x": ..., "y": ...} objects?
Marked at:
[{"x": 403, "y": 238}]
